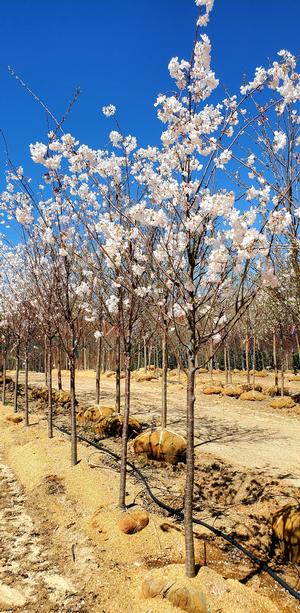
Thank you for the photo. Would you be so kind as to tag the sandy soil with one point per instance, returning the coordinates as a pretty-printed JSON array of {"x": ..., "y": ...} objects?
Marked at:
[
  {"x": 63, "y": 550},
  {"x": 244, "y": 432}
]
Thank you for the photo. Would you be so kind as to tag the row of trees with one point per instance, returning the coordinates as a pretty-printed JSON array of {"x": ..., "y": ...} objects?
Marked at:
[
  {"x": 147, "y": 353},
  {"x": 193, "y": 242}
]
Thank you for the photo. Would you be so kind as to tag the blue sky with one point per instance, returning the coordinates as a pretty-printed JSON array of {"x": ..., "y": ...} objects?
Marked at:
[{"x": 117, "y": 51}]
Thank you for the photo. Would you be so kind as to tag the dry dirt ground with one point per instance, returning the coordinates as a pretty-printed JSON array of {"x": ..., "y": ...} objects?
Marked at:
[
  {"x": 248, "y": 433},
  {"x": 60, "y": 545}
]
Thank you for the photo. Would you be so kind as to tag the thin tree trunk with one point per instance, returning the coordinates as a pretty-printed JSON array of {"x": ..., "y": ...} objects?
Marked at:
[
  {"x": 281, "y": 361},
  {"x": 298, "y": 347},
  {"x": 139, "y": 357},
  {"x": 49, "y": 385},
  {"x": 189, "y": 486},
  {"x": 98, "y": 369},
  {"x": 156, "y": 362},
  {"x": 84, "y": 355},
  {"x": 26, "y": 389},
  {"x": 254, "y": 359},
  {"x": 59, "y": 381},
  {"x": 229, "y": 365},
  {"x": 73, "y": 407},
  {"x": 211, "y": 359},
  {"x": 46, "y": 359},
  {"x": 225, "y": 364},
  {"x": 275, "y": 358},
  {"x": 122, "y": 491},
  {"x": 17, "y": 379},
  {"x": 104, "y": 362},
  {"x": 118, "y": 374},
  {"x": 287, "y": 361},
  {"x": 282, "y": 378},
  {"x": 164, "y": 379},
  {"x": 247, "y": 356},
  {"x": 242, "y": 357},
  {"x": 4, "y": 378},
  {"x": 145, "y": 355},
  {"x": 88, "y": 352},
  {"x": 150, "y": 356}
]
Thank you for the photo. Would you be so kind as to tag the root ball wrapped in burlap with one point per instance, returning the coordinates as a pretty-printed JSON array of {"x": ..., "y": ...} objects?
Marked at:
[
  {"x": 161, "y": 445},
  {"x": 130, "y": 523},
  {"x": 286, "y": 532}
]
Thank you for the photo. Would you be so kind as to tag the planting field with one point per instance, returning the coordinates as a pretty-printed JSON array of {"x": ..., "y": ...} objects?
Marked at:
[
  {"x": 250, "y": 433},
  {"x": 149, "y": 308},
  {"x": 246, "y": 469}
]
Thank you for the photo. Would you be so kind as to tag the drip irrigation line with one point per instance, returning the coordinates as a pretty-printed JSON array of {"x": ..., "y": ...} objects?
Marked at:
[{"x": 180, "y": 515}]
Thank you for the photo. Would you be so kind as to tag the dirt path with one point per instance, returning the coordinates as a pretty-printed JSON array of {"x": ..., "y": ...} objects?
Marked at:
[
  {"x": 60, "y": 547},
  {"x": 27, "y": 574}
]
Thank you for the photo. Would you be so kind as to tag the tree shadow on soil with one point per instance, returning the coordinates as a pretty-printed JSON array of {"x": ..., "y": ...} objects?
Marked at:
[
  {"x": 88, "y": 398},
  {"x": 213, "y": 430}
]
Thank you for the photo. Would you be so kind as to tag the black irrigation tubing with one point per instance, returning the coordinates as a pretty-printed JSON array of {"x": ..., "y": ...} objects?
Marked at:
[{"x": 226, "y": 537}]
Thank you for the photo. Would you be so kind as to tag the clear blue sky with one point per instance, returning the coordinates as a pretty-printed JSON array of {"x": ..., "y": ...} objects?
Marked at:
[{"x": 117, "y": 51}]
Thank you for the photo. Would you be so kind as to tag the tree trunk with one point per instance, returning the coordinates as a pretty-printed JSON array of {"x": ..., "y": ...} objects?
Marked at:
[
  {"x": 298, "y": 346},
  {"x": 17, "y": 379},
  {"x": 150, "y": 356},
  {"x": 189, "y": 486},
  {"x": 73, "y": 408},
  {"x": 254, "y": 359},
  {"x": 282, "y": 379},
  {"x": 282, "y": 361},
  {"x": 164, "y": 379},
  {"x": 247, "y": 356},
  {"x": 139, "y": 357},
  {"x": 59, "y": 381},
  {"x": 225, "y": 364},
  {"x": 275, "y": 358},
  {"x": 26, "y": 389},
  {"x": 242, "y": 357},
  {"x": 104, "y": 363},
  {"x": 84, "y": 355},
  {"x": 88, "y": 355},
  {"x": 210, "y": 363},
  {"x": 229, "y": 365},
  {"x": 118, "y": 374},
  {"x": 46, "y": 359},
  {"x": 145, "y": 355},
  {"x": 4, "y": 378},
  {"x": 98, "y": 369},
  {"x": 122, "y": 491},
  {"x": 287, "y": 361},
  {"x": 49, "y": 385}
]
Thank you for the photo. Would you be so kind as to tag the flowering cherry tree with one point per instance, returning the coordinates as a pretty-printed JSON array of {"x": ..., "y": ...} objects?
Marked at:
[{"x": 186, "y": 229}]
